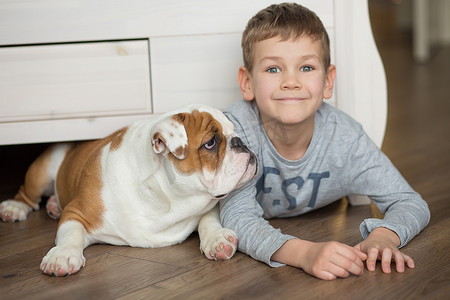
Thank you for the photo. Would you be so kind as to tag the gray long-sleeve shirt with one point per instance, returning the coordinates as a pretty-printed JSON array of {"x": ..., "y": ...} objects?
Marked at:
[{"x": 341, "y": 160}]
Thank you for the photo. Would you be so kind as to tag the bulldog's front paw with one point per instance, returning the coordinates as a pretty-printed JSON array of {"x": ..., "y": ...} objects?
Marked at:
[
  {"x": 219, "y": 244},
  {"x": 12, "y": 210},
  {"x": 63, "y": 261}
]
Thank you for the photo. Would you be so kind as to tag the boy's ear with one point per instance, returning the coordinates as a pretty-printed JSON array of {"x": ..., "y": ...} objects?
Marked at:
[
  {"x": 245, "y": 84},
  {"x": 329, "y": 82}
]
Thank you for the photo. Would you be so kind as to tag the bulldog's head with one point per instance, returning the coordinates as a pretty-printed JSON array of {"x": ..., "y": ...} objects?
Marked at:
[{"x": 200, "y": 142}]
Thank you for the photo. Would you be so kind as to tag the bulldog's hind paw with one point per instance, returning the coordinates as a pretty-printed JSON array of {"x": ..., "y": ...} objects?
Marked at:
[
  {"x": 63, "y": 261},
  {"x": 53, "y": 209},
  {"x": 220, "y": 244},
  {"x": 12, "y": 210}
]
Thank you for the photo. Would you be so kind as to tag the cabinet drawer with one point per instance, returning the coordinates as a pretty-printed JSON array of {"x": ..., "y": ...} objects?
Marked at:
[{"x": 74, "y": 80}]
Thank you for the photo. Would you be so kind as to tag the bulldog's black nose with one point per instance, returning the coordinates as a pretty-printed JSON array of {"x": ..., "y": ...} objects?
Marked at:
[
  {"x": 236, "y": 142},
  {"x": 238, "y": 146}
]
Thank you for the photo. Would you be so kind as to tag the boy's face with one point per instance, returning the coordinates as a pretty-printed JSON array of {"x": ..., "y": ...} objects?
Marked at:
[{"x": 288, "y": 80}]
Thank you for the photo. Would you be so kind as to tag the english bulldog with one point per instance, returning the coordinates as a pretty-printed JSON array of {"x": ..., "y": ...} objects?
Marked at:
[{"x": 147, "y": 185}]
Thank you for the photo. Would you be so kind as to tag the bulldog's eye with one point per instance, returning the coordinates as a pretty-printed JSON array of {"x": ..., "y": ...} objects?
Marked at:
[{"x": 211, "y": 144}]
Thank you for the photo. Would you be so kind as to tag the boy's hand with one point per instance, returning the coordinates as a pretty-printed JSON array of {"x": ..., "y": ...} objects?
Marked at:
[
  {"x": 381, "y": 244},
  {"x": 324, "y": 260},
  {"x": 332, "y": 259}
]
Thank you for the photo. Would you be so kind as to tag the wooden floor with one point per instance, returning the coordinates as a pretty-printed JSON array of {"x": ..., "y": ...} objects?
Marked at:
[{"x": 418, "y": 142}]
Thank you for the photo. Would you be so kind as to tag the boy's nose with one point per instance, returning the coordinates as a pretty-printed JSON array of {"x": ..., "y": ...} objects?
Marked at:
[{"x": 290, "y": 81}]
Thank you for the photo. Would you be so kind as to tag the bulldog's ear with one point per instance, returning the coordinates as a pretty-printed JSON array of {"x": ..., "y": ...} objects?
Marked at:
[{"x": 169, "y": 135}]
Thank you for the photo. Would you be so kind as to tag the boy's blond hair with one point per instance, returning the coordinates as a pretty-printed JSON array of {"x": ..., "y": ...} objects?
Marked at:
[{"x": 287, "y": 21}]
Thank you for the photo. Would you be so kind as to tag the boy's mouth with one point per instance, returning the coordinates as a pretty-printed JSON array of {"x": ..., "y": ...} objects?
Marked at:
[{"x": 291, "y": 99}]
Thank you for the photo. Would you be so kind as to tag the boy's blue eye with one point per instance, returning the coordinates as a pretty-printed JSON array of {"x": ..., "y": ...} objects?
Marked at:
[
  {"x": 306, "y": 69},
  {"x": 273, "y": 70}
]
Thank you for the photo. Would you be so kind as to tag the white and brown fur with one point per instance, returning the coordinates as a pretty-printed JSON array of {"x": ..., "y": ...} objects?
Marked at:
[{"x": 147, "y": 185}]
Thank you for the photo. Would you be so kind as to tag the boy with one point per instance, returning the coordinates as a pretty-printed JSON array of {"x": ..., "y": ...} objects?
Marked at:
[{"x": 310, "y": 154}]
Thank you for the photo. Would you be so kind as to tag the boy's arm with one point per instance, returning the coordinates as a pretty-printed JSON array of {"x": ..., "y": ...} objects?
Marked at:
[
  {"x": 241, "y": 212},
  {"x": 405, "y": 212},
  {"x": 373, "y": 174}
]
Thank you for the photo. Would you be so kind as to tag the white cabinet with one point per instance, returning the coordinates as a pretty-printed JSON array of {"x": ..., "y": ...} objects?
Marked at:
[
  {"x": 74, "y": 80},
  {"x": 201, "y": 73},
  {"x": 77, "y": 69}
]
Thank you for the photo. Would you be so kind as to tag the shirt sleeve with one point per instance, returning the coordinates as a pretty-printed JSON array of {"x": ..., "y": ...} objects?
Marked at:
[
  {"x": 241, "y": 213},
  {"x": 405, "y": 212}
]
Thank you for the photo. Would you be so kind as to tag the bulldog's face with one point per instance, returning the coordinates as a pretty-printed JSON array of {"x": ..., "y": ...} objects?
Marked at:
[{"x": 204, "y": 151}]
